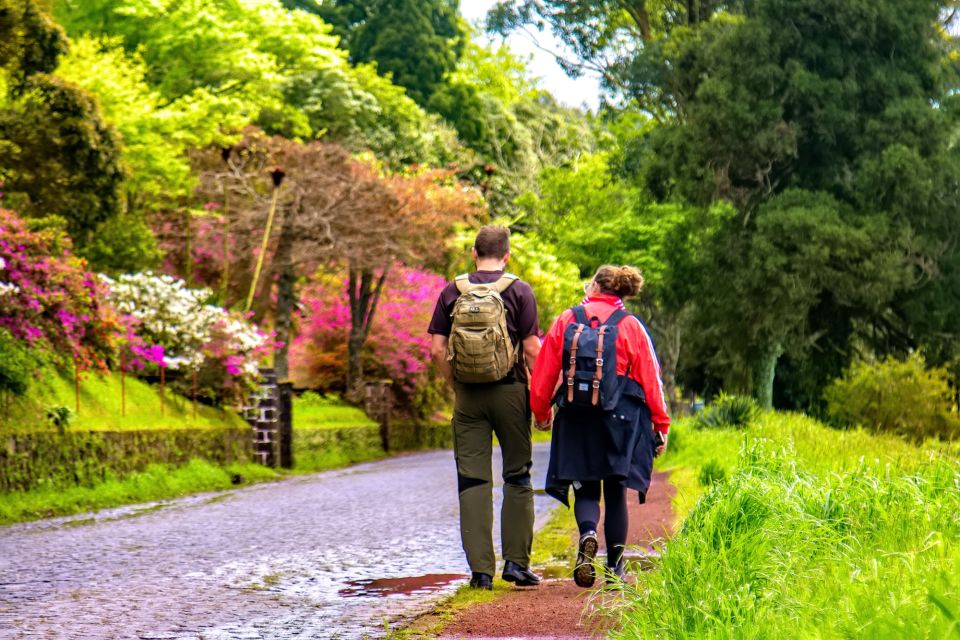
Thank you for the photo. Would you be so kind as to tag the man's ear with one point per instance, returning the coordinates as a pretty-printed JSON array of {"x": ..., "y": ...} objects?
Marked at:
[
  {"x": 473, "y": 252},
  {"x": 506, "y": 258}
]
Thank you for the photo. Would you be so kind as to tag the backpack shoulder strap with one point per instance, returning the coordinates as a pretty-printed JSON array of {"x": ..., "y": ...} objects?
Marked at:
[
  {"x": 463, "y": 283},
  {"x": 617, "y": 316},
  {"x": 504, "y": 282},
  {"x": 580, "y": 315}
]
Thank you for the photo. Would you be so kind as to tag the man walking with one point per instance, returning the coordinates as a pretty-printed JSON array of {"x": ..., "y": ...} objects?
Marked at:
[{"x": 485, "y": 330}]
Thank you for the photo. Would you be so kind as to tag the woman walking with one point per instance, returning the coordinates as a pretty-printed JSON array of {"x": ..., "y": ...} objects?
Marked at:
[{"x": 599, "y": 366}]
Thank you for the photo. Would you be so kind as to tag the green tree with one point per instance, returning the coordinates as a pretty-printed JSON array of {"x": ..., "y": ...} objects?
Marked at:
[
  {"x": 831, "y": 119},
  {"x": 514, "y": 128},
  {"x": 58, "y": 157},
  {"x": 30, "y": 41},
  {"x": 156, "y": 133},
  {"x": 388, "y": 32},
  {"x": 266, "y": 64},
  {"x": 592, "y": 217}
]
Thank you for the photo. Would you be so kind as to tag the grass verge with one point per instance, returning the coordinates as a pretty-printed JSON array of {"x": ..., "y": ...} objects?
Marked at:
[
  {"x": 157, "y": 482},
  {"x": 101, "y": 406},
  {"x": 802, "y": 531},
  {"x": 314, "y": 411}
]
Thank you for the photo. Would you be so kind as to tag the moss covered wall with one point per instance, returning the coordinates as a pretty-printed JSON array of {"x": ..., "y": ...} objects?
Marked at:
[
  {"x": 51, "y": 459},
  {"x": 318, "y": 449}
]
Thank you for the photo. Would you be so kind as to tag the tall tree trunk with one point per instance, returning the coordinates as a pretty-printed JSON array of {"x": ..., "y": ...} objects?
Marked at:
[
  {"x": 188, "y": 247},
  {"x": 286, "y": 297},
  {"x": 667, "y": 330},
  {"x": 225, "y": 283},
  {"x": 764, "y": 372},
  {"x": 364, "y": 289}
]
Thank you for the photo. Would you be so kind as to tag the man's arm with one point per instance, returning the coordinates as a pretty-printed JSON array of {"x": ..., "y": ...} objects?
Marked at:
[
  {"x": 438, "y": 349},
  {"x": 531, "y": 349}
]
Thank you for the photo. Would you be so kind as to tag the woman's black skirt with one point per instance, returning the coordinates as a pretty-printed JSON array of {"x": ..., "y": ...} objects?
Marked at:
[{"x": 589, "y": 444}]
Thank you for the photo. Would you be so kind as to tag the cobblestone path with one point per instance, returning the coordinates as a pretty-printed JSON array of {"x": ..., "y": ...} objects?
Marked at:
[{"x": 307, "y": 557}]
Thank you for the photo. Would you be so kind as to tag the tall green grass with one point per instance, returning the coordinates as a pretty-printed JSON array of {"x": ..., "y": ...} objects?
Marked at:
[{"x": 813, "y": 533}]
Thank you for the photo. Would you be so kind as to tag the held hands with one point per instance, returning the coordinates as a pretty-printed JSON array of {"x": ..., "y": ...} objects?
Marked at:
[{"x": 546, "y": 425}]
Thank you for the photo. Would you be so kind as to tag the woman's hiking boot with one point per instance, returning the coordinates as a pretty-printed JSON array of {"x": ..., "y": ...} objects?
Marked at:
[
  {"x": 617, "y": 574},
  {"x": 585, "y": 573}
]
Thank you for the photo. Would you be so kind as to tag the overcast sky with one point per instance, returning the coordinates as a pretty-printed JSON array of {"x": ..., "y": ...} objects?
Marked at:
[{"x": 574, "y": 93}]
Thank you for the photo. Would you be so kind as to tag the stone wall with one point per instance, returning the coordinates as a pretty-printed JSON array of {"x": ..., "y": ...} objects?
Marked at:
[{"x": 83, "y": 458}]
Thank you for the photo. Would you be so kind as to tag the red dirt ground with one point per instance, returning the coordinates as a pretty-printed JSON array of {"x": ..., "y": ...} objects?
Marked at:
[{"x": 557, "y": 608}]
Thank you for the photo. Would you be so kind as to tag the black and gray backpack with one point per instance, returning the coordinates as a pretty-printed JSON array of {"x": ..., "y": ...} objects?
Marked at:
[{"x": 590, "y": 362}]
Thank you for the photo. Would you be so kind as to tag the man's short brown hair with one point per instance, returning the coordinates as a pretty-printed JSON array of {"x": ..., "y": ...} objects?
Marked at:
[{"x": 493, "y": 241}]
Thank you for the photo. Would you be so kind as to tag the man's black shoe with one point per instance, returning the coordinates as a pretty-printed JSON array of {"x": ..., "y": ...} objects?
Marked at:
[
  {"x": 520, "y": 576},
  {"x": 584, "y": 573},
  {"x": 481, "y": 581}
]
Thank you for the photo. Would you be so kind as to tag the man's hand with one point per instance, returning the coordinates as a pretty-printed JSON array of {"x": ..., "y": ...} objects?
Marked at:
[{"x": 660, "y": 443}]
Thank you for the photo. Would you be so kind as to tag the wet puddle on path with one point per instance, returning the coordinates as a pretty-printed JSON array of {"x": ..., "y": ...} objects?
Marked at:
[{"x": 415, "y": 585}]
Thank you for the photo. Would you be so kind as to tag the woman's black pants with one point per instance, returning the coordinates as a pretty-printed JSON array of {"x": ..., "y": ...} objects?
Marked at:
[{"x": 586, "y": 508}]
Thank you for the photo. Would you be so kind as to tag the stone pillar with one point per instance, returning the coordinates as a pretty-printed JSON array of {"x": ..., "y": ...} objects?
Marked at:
[
  {"x": 378, "y": 402},
  {"x": 262, "y": 411}
]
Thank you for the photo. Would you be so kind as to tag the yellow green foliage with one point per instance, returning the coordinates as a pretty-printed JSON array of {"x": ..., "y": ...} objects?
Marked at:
[{"x": 896, "y": 396}]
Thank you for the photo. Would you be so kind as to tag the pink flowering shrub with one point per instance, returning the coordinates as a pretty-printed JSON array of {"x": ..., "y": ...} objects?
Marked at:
[
  {"x": 49, "y": 300},
  {"x": 397, "y": 349}
]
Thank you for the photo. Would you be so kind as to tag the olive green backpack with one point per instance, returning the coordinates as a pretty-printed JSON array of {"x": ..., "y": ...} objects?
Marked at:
[{"x": 480, "y": 349}]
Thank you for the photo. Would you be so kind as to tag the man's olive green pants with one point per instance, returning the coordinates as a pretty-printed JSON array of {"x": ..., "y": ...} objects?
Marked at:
[{"x": 479, "y": 412}]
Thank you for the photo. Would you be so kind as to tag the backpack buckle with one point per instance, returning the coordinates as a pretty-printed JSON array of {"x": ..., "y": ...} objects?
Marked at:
[
  {"x": 599, "y": 362},
  {"x": 573, "y": 359},
  {"x": 569, "y": 382},
  {"x": 596, "y": 384}
]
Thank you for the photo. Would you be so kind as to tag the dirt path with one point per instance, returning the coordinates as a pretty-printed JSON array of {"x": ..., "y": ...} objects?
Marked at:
[{"x": 557, "y": 608}]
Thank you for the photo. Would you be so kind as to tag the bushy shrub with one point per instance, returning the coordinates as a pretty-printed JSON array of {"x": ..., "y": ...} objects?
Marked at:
[
  {"x": 48, "y": 298},
  {"x": 61, "y": 417},
  {"x": 895, "y": 396},
  {"x": 711, "y": 473},
  {"x": 397, "y": 349},
  {"x": 727, "y": 411}
]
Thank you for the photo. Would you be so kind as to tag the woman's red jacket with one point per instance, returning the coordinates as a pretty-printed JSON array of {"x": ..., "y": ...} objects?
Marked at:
[{"x": 634, "y": 352}]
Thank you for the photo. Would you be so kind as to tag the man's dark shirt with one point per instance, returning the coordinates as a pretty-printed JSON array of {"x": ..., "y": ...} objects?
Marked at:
[{"x": 521, "y": 312}]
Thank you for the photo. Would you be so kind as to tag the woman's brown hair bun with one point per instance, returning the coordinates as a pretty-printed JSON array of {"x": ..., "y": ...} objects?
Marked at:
[{"x": 624, "y": 281}]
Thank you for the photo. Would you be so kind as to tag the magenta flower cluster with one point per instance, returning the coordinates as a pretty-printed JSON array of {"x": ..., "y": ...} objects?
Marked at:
[
  {"x": 49, "y": 299},
  {"x": 398, "y": 347}
]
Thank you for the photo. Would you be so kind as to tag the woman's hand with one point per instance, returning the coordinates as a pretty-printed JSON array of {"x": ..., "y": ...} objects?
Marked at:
[
  {"x": 546, "y": 425},
  {"x": 660, "y": 443}
]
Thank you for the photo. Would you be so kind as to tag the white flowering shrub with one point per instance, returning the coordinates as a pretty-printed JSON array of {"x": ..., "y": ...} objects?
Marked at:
[{"x": 220, "y": 347}]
